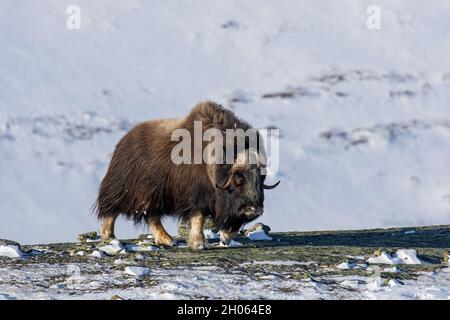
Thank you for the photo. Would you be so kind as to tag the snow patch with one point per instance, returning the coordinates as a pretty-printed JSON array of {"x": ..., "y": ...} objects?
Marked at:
[
  {"x": 140, "y": 248},
  {"x": 10, "y": 251},
  {"x": 375, "y": 284},
  {"x": 98, "y": 254},
  {"x": 258, "y": 235},
  {"x": 120, "y": 261},
  {"x": 138, "y": 272},
  {"x": 392, "y": 270},
  {"x": 348, "y": 265},
  {"x": 231, "y": 244},
  {"x": 402, "y": 256},
  {"x": 345, "y": 266},
  {"x": 209, "y": 234},
  {"x": 394, "y": 283},
  {"x": 112, "y": 248}
]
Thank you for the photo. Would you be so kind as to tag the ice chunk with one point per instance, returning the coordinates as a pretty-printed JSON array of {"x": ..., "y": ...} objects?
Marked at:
[
  {"x": 258, "y": 235},
  {"x": 97, "y": 254},
  {"x": 113, "y": 247},
  {"x": 345, "y": 266},
  {"x": 384, "y": 258},
  {"x": 137, "y": 272},
  {"x": 10, "y": 251},
  {"x": 408, "y": 256},
  {"x": 402, "y": 256}
]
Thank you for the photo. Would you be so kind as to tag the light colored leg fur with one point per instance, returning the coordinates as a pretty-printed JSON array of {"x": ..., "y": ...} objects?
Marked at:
[
  {"x": 107, "y": 229},
  {"x": 197, "y": 238},
  {"x": 226, "y": 236},
  {"x": 160, "y": 234}
]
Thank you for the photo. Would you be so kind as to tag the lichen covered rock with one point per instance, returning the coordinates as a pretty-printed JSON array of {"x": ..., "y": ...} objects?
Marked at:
[{"x": 88, "y": 236}]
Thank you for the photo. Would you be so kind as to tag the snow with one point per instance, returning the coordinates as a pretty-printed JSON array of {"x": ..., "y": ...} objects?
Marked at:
[
  {"x": 209, "y": 234},
  {"x": 345, "y": 266},
  {"x": 402, "y": 256},
  {"x": 232, "y": 243},
  {"x": 114, "y": 247},
  {"x": 394, "y": 282},
  {"x": 143, "y": 247},
  {"x": 408, "y": 256},
  {"x": 383, "y": 258},
  {"x": 364, "y": 139},
  {"x": 393, "y": 269},
  {"x": 258, "y": 235},
  {"x": 137, "y": 272},
  {"x": 10, "y": 251},
  {"x": 76, "y": 281},
  {"x": 376, "y": 284},
  {"x": 98, "y": 254}
]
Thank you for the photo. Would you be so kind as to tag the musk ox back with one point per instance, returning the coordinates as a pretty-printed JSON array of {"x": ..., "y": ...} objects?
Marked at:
[{"x": 144, "y": 183}]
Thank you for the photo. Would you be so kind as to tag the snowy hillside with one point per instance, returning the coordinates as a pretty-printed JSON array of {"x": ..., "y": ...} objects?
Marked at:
[{"x": 364, "y": 114}]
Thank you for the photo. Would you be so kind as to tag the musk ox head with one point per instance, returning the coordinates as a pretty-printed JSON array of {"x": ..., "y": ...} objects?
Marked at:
[{"x": 239, "y": 194}]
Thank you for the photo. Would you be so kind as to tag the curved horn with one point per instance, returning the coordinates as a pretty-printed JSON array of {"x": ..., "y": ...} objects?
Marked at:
[
  {"x": 271, "y": 187},
  {"x": 226, "y": 184}
]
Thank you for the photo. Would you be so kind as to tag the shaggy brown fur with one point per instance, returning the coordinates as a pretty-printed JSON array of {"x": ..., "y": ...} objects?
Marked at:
[{"x": 144, "y": 184}]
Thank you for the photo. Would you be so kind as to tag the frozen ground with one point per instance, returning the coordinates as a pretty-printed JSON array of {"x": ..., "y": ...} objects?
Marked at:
[
  {"x": 94, "y": 281},
  {"x": 290, "y": 266},
  {"x": 364, "y": 115}
]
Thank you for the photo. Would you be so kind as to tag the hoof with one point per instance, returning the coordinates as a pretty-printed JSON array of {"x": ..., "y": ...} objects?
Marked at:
[
  {"x": 200, "y": 245},
  {"x": 108, "y": 237},
  {"x": 164, "y": 243}
]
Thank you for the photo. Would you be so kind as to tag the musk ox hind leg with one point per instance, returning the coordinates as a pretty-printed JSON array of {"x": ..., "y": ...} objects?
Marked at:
[
  {"x": 162, "y": 238},
  {"x": 107, "y": 228},
  {"x": 197, "y": 240}
]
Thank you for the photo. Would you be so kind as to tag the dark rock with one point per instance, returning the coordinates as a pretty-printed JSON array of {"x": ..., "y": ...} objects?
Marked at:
[{"x": 6, "y": 242}]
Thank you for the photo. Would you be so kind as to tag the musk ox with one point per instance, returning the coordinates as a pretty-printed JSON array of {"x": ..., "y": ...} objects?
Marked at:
[{"x": 144, "y": 184}]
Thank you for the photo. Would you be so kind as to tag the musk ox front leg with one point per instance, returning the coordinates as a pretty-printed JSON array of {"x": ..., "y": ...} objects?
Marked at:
[
  {"x": 107, "y": 228},
  {"x": 162, "y": 238},
  {"x": 226, "y": 236},
  {"x": 197, "y": 240}
]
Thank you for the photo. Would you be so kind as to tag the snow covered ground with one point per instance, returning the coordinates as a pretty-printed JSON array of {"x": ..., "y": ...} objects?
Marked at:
[
  {"x": 200, "y": 283},
  {"x": 364, "y": 114},
  {"x": 290, "y": 266},
  {"x": 98, "y": 280}
]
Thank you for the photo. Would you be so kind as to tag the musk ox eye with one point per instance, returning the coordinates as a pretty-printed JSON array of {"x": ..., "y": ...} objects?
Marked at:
[{"x": 238, "y": 179}]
